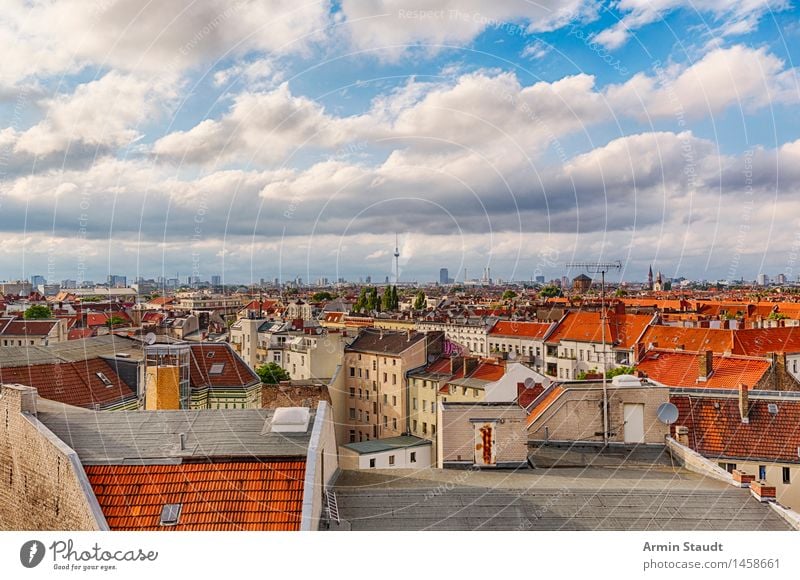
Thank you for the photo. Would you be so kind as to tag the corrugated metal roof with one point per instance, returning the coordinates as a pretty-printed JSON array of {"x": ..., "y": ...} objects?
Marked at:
[{"x": 378, "y": 445}]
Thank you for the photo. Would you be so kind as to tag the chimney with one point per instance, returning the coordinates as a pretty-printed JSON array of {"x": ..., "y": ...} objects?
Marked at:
[
  {"x": 182, "y": 441},
  {"x": 706, "y": 365},
  {"x": 455, "y": 361},
  {"x": 682, "y": 435},
  {"x": 470, "y": 364},
  {"x": 410, "y": 332},
  {"x": 744, "y": 403}
]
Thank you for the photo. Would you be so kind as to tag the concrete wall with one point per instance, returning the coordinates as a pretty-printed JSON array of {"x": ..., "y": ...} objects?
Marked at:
[
  {"x": 322, "y": 465},
  {"x": 42, "y": 484},
  {"x": 577, "y": 414},
  {"x": 457, "y": 432},
  {"x": 423, "y": 456}
]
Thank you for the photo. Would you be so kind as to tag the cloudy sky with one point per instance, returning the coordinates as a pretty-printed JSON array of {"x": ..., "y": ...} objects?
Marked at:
[{"x": 279, "y": 138}]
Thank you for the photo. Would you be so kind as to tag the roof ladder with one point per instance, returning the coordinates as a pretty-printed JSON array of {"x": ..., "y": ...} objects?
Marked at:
[{"x": 332, "y": 506}]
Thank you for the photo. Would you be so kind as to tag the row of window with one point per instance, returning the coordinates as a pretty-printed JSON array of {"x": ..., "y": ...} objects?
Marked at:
[
  {"x": 786, "y": 473},
  {"x": 424, "y": 427},
  {"x": 412, "y": 458},
  {"x": 365, "y": 375},
  {"x": 424, "y": 405},
  {"x": 19, "y": 342}
]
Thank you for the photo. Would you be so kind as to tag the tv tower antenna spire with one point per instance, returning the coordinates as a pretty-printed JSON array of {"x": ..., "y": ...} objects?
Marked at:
[{"x": 396, "y": 259}]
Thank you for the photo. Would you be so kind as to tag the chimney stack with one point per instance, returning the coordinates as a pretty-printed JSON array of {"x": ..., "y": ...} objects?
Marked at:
[
  {"x": 744, "y": 403},
  {"x": 470, "y": 364},
  {"x": 706, "y": 364}
]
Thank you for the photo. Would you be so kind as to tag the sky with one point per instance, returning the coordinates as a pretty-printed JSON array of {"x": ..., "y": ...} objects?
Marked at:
[{"x": 277, "y": 139}]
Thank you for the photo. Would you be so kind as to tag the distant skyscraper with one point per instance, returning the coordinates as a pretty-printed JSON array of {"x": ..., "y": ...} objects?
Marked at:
[
  {"x": 369, "y": 279},
  {"x": 763, "y": 279},
  {"x": 540, "y": 279},
  {"x": 117, "y": 281},
  {"x": 444, "y": 276},
  {"x": 37, "y": 281},
  {"x": 216, "y": 280}
]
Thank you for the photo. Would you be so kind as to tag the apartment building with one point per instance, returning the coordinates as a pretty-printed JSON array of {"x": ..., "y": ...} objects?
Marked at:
[
  {"x": 468, "y": 332},
  {"x": 375, "y": 366}
]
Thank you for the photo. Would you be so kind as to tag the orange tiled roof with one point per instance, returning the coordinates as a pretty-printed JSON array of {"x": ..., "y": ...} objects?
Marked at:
[
  {"x": 255, "y": 496},
  {"x": 524, "y": 329},
  {"x": 719, "y": 432},
  {"x": 692, "y": 339},
  {"x": 585, "y": 326},
  {"x": 680, "y": 369},
  {"x": 552, "y": 394},
  {"x": 762, "y": 341}
]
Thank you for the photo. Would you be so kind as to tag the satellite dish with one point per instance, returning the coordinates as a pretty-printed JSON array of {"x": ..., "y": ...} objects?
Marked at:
[
  {"x": 150, "y": 338},
  {"x": 318, "y": 330},
  {"x": 667, "y": 413},
  {"x": 512, "y": 356},
  {"x": 431, "y": 358},
  {"x": 529, "y": 382}
]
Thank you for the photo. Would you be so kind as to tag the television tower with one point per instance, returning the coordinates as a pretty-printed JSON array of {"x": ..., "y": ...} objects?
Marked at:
[{"x": 396, "y": 260}]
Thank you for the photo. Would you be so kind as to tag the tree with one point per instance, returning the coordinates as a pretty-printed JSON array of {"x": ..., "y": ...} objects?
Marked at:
[
  {"x": 620, "y": 292},
  {"x": 419, "y": 300},
  {"x": 372, "y": 300},
  {"x": 610, "y": 374},
  {"x": 361, "y": 303},
  {"x": 395, "y": 299},
  {"x": 321, "y": 296},
  {"x": 115, "y": 321},
  {"x": 387, "y": 299},
  {"x": 509, "y": 295},
  {"x": 272, "y": 373},
  {"x": 550, "y": 292},
  {"x": 37, "y": 312}
]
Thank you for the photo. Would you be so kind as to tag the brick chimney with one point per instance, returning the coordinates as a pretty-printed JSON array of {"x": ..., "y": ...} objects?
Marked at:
[
  {"x": 455, "y": 362},
  {"x": 682, "y": 435},
  {"x": 470, "y": 364},
  {"x": 744, "y": 403},
  {"x": 706, "y": 365},
  {"x": 742, "y": 478},
  {"x": 762, "y": 492}
]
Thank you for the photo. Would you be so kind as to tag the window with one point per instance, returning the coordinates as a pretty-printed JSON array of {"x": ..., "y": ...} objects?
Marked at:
[
  {"x": 475, "y": 393},
  {"x": 433, "y": 406},
  {"x": 394, "y": 379},
  {"x": 366, "y": 393},
  {"x": 385, "y": 399},
  {"x": 762, "y": 472},
  {"x": 391, "y": 460},
  {"x": 360, "y": 394},
  {"x": 366, "y": 417},
  {"x": 415, "y": 425},
  {"x": 352, "y": 436},
  {"x": 433, "y": 429},
  {"x": 385, "y": 377},
  {"x": 372, "y": 462},
  {"x": 374, "y": 365},
  {"x": 352, "y": 392},
  {"x": 394, "y": 423},
  {"x": 170, "y": 514},
  {"x": 106, "y": 381},
  {"x": 216, "y": 369},
  {"x": 424, "y": 428},
  {"x": 366, "y": 374},
  {"x": 360, "y": 415},
  {"x": 359, "y": 373},
  {"x": 580, "y": 354},
  {"x": 394, "y": 400},
  {"x": 787, "y": 476},
  {"x": 414, "y": 403},
  {"x": 424, "y": 405},
  {"x": 359, "y": 356},
  {"x": 385, "y": 421},
  {"x": 352, "y": 371},
  {"x": 352, "y": 413},
  {"x": 413, "y": 458},
  {"x": 394, "y": 362}
]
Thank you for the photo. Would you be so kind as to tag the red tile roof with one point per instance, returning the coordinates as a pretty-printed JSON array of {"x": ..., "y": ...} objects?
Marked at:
[
  {"x": 681, "y": 369},
  {"x": 762, "y": 341},
  {"x": 584, "y": 326},
  {"x": 234, "y": 371},
  {"x": 21, "y": 327},
  {"x": 520, "y": 329},
  {"x": 73, "y": 383},
  {"x": 691, "y": 339},
  {"x": 720, "y": 432},
  {"x": 79, "y": 333},
  {"x": 548, "y": 399},
  {"x": 255, "y": 496}
]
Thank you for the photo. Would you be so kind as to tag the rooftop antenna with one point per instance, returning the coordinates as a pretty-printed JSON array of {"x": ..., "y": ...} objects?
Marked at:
[
  {"x": 601, "y": 268},
  {"x": 396, "y": 260}
]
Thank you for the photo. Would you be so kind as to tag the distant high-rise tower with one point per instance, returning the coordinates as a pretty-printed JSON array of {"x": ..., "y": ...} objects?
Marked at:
[
  {"x": 650, "y": 278},
  {"x": 396, "y": 260},
  {"x": 444, "y": 276}
]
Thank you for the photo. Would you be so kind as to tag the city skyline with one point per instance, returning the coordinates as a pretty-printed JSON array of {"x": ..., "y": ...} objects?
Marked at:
[{"x": 505, "y": 136}]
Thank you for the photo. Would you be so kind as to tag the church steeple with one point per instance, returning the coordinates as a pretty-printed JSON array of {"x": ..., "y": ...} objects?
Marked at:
[{"x": 650, "y": 278}]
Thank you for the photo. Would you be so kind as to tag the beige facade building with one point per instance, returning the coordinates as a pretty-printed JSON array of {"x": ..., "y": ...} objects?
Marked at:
[{"x": 375, "y": 367}]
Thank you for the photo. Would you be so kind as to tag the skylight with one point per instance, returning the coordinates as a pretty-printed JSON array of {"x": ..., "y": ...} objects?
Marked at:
[
  {"x": 216, "y": 369},
  {"x": 106, "y": 381},
  {"x": 170, "y": 514}
]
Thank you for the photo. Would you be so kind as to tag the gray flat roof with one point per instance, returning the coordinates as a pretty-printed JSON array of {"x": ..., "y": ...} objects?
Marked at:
[
  {"x": 147, "y": 437},
  {"x": 70, "y": 351},
  {"x": 650, "y": 497},
  {"x": 378, "y": 445}
]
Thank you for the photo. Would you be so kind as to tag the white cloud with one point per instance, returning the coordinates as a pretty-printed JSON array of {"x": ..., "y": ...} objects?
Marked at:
[
  {"x": 388, "y": 28},
  {"x": 42, "y": 38},
  {"x": 535, "y": 50},
  {"x": 738, "y": 17}
]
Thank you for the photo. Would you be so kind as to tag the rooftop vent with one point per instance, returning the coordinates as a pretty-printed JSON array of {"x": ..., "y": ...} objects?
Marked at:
[
  {"x": 772, "y": 408},
  {"x": 290, "y": 420},
  {"x": 170, "y": 514},
  {"x": 123, "y": 355},
  {"x": 626, "y": 381},
  {"x": 210, "y": 354}
]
